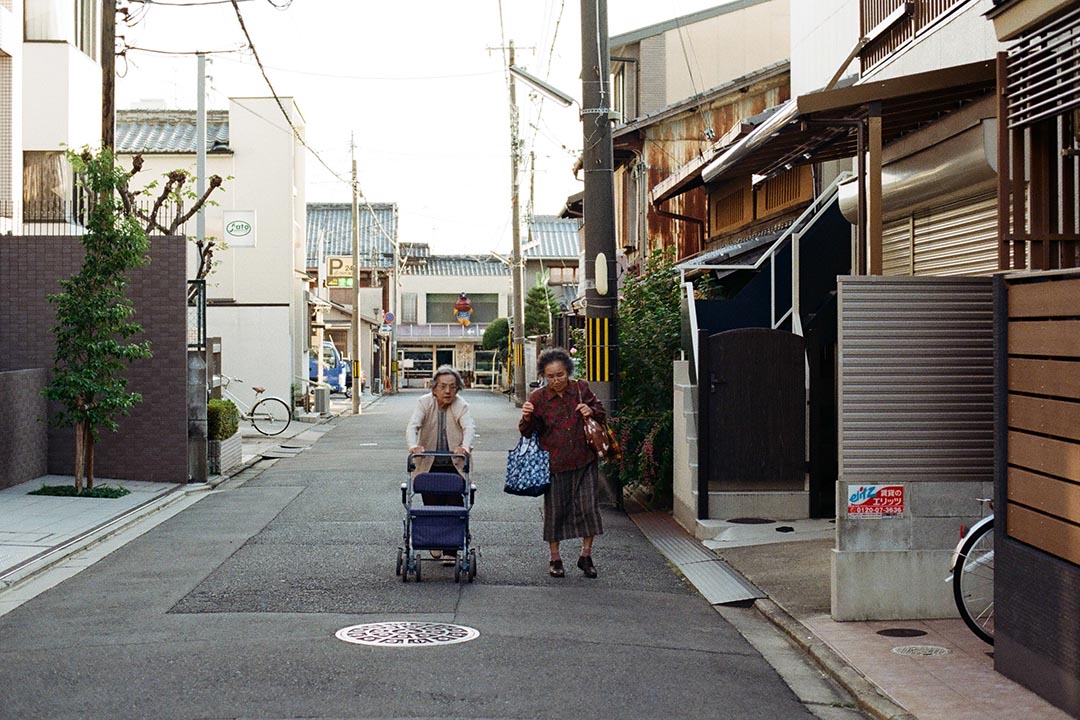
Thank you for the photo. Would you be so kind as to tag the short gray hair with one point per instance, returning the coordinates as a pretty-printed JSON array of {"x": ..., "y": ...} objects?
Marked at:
[{"x": 447, "y": 370}]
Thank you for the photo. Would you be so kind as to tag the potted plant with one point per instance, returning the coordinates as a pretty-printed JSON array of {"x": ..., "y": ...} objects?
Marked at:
[{"x": 224, "y": 446}]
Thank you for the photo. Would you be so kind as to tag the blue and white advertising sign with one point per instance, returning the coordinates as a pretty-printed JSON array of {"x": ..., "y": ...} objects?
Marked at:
[{"x": 875, "y": 501}]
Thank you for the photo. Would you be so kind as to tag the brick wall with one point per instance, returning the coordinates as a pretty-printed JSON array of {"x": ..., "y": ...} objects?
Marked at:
[
  {"x": 152, "y": 442},
  {"x": 23, "y": 426}
]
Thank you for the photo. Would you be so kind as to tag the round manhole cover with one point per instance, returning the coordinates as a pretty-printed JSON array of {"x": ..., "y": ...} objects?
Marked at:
[
  {"x": 921, "y": 650},
  {"x": 750, "y": 521},
  {"x": 407, "y": 634},
  {"x": 901, "y": 632}
]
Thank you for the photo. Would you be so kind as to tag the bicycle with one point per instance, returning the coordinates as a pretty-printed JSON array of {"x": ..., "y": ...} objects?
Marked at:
[
  {"x": 972, "y": 576},
  {"x": 270, "y": 415}
]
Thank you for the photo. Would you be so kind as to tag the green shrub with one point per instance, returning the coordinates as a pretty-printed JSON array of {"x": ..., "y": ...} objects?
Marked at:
[{"x": 222, "y": 419}]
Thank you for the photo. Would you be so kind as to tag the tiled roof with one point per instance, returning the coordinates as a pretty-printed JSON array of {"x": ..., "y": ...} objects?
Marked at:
[
  {"x": 443, "y": 265},
  {"x": 332, "y": 223},
  {"x": 169, "y": 131},
  {"x": 552, "y": 237}
]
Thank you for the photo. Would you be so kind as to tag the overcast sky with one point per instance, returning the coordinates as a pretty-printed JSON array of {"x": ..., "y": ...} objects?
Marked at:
[{"x": 422, "y": 84}]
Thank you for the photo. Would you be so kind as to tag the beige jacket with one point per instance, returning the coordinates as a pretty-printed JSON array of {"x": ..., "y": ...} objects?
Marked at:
[{"x": 423, "y": 429}]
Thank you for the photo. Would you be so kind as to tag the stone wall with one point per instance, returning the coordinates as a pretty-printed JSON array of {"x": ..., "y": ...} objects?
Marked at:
[{"x": 24, "y": 442}]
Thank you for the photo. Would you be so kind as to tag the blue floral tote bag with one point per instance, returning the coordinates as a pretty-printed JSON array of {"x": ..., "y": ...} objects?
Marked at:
[{"x": 527, "y": 469}]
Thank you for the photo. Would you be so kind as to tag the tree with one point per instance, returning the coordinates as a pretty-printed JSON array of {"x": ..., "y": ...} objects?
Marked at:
[
  {"x": 173, "y": 195},
  {"x": 497, "y": 337},
  {"x": 649, "y": 340},
  {"x": 540, "y": 308},
  {"x": 93, "y": 315}
]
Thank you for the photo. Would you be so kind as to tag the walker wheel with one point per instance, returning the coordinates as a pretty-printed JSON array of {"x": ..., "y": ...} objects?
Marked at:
[
  {"x": 417, "y": 558},
  {"x": 400, "y": 558},
  {"x": 472, "y": 565}
]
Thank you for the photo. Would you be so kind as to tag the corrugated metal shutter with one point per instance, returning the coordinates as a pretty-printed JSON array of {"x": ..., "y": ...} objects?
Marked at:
[
  {"x": 958, "y": 239},
  {"x": 896, "y": 247},
  {"x": 916, "y": 379}
]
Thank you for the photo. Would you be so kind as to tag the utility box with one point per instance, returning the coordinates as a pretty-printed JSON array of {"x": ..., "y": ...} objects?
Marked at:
[{"x": 322, "y": 400}]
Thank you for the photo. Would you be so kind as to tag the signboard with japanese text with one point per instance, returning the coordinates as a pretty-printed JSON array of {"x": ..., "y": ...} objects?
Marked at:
[{"x": 875, "y": 501}]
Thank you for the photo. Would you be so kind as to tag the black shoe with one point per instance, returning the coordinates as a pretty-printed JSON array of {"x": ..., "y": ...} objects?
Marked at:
[
  {"x": 555, "y": 569},
  {"x": 586, "y": 564}
]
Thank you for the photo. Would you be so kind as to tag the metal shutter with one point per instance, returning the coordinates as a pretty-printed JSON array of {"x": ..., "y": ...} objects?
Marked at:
[
  {"x": 958, "y": 239},
  {"x": 896, "y": 247},
  {"x": 916, "y": 379}
]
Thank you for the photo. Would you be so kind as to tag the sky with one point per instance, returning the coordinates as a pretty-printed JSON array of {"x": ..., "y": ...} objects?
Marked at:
[{"x": 420, "y": 86}]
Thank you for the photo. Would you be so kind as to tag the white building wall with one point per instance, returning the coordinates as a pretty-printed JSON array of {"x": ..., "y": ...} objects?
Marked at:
[
  {"x": 719, "y": 49},
  {"x": 823, "y": 32},
  {"x": 61, "y": 97},
  {"x": 469, "y": 284}
]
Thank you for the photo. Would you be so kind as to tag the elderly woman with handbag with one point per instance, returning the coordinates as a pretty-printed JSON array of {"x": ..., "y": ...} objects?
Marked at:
[{"x": 556, "y": 412}]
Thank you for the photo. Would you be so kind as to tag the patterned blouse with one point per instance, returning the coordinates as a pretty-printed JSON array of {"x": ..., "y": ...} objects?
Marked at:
[{"x": 561, "y": 429}]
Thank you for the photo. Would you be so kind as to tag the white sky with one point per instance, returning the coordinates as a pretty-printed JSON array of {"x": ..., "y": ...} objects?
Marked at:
[{"x": 421, "y": 83}]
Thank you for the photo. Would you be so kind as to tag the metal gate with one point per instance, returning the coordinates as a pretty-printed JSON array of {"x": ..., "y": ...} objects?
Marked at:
[{"x": 753, "y": 412}]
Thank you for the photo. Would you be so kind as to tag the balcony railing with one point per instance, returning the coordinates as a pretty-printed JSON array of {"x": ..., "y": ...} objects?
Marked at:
[{"x": 441, "y": 330}]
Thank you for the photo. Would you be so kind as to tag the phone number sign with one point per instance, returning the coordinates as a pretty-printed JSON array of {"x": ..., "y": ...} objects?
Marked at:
[{"x": 875, "y": 501}]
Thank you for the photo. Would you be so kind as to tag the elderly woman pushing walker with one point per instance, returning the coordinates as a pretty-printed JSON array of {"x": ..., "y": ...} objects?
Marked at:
[{"x": 555, "y": 412}]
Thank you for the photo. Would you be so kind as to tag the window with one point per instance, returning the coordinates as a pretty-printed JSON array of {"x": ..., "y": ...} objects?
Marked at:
[
  {"x": 408, "y": 308},
  {"x": 73, "y": 21},
  {"x": 440, "y": 307},
  {"x": 47, "y": 186},
  {"x": 562, "y": 275}
]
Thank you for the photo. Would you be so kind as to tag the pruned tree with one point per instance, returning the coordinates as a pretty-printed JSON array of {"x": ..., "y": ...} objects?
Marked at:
[
  {"x": 175, "y": 195},
  {"x": 94, "y": 329}
]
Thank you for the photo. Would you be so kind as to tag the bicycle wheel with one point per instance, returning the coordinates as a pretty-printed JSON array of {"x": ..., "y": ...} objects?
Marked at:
[
  {"x": 973, "y": 582},
  {"x": 270, "y": 416}
]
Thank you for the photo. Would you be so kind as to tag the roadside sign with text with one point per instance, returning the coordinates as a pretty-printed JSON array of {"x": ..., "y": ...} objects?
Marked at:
[{"x": 875, "y": 501}]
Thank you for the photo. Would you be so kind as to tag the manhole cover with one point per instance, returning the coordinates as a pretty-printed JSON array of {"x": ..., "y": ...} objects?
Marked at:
[
  {"x": 921, "y": 650},
  {"x": 901, "y": 632},
  {"x": 750, "y": 521},
  {"x": 407, "y": 634}
]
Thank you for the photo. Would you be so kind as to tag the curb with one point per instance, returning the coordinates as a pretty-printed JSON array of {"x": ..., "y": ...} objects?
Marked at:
[
  {"x": 47, "y": 559},
  {"x": 870, "y": 698}
]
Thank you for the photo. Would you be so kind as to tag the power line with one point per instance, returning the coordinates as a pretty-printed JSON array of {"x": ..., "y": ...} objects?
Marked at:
[{"x": 373, "y": 78}]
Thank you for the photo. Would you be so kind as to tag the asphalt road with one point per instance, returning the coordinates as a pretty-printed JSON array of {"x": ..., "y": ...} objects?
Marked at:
[{"x": 229, "y": 609}]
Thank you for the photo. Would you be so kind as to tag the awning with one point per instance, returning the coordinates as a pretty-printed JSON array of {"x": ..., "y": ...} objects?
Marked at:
[
  {"x": 745, "y": 255},
  {"x": 821, "y": 126}
]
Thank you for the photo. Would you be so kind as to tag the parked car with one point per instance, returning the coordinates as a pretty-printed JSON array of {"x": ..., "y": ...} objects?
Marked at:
[{"x": 334, "y": 367}]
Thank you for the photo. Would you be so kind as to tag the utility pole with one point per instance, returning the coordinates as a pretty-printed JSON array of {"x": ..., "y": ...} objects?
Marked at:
[
  {"x": 516, "y": 263},
  {"x": 200, "y": 149},
  {"x": 601, "y": 279},
  {"x": 108, "y": 75},
  {"x": 354, "y": 351}
]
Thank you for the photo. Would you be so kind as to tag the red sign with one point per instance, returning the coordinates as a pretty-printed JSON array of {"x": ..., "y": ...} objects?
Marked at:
[{"x": 874, "y": 501}]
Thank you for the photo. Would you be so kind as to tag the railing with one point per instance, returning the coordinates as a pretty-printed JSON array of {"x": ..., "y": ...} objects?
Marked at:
[
  {"x": 67, "y": 218},
  {"x": 441, "y": 330},
  {"x": 794, "y": 232}
]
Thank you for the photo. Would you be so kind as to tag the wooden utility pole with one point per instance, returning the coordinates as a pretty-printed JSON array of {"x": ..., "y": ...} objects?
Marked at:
[
  {"x": 108, "y": 75},
  {"x": 601, "y": 279}
]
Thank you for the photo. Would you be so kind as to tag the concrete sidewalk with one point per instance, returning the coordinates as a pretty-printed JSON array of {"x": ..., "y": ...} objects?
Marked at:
[
  {"x": 927, "y": 669},
  {"x": 39, "y": 531},
  {"x": 944, "y": 671}
]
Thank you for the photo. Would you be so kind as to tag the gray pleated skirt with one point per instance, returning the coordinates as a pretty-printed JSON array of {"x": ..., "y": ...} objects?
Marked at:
[{"x": 572, "y": 505}]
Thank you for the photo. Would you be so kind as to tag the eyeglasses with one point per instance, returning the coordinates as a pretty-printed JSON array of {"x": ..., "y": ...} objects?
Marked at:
[{"x": 446, "y": 386}]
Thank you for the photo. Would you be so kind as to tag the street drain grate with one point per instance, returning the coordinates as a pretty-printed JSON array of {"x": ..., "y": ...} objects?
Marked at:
[
  {"x": 407, "y": 634},
  {"x": 921, "y": 650},
  {"x": 750, "y": 521},
  {"x": 901, "y": 632}
]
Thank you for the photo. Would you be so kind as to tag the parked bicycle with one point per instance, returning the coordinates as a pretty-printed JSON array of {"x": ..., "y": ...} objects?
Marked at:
[
  {"x": 269, "y": 415},
  {"x": 972, "y": 576}
]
